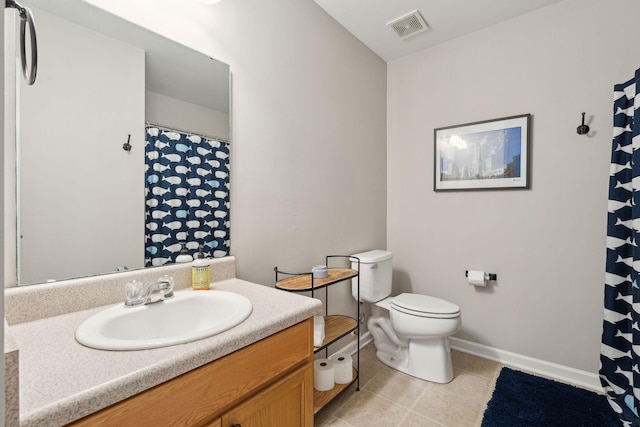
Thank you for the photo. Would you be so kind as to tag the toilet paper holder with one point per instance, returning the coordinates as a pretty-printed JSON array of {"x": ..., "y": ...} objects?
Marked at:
[{"x": 487, "y": 276}]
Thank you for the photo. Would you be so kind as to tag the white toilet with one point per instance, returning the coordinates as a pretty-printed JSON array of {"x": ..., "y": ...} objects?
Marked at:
[{"x": 410, "y": 331}]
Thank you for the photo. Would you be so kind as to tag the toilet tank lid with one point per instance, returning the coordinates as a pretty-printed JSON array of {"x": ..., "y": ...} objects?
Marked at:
[
  {"x": 373, "y": 256},
  {"x": 425, "y": 304}
]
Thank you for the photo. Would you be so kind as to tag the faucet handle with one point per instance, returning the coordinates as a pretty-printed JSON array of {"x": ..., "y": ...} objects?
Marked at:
[
  {"x": 168, "y": 293},
  {"x": 133, "y": 292}
]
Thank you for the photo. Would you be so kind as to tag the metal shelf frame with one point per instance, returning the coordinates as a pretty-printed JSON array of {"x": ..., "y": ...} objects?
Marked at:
[{"x": 305, "y": 282}]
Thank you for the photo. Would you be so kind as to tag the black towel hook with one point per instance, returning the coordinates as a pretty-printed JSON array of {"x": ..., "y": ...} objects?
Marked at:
[
  {"x": 127, "y": 146},
  {"x": 582, "y": 129}
]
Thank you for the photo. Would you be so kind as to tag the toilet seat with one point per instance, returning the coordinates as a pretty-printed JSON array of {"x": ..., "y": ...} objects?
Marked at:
[{"x": 424, "y": 306}]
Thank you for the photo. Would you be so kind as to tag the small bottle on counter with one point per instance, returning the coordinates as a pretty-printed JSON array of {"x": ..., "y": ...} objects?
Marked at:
[
  {"x": 200, "y": 272},
  {"x": 184, "y": 254}
]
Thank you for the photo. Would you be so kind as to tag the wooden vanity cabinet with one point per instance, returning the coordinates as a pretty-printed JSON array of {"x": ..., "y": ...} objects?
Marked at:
[
  {"x": 281, "y": 405},
  {"x": 268, "y": 383}
]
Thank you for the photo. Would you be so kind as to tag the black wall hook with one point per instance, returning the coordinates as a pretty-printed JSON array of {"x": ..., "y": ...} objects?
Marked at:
[
  {"x": 582, "y": 129},
  {"x": 126, "y": 146}
]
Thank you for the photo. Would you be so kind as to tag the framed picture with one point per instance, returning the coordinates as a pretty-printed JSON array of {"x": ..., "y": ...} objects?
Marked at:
[{"x": 493, "y": 154}]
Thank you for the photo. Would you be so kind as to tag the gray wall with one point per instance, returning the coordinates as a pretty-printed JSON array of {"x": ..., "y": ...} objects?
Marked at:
[
  {"x": 67, "y": 158},
  {"x": 171, "y": 112},
  {"x": 309, "y": 139},
  {"x": 546, "y": 244},
  {"x": 309, "y": 149},
  {"x": 308, "y": 153}
]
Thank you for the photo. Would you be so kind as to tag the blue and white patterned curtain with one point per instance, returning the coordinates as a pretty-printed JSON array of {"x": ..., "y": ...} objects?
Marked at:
[
  {"x": 620, "y": 351},
  {"x": 187, "y": 195}
]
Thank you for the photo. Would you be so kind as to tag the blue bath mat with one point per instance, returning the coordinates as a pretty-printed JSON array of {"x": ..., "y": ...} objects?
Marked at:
[{"x": 523, "y": 400}]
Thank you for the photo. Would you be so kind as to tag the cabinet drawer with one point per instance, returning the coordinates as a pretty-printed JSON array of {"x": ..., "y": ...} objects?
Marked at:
[{"x": 199, "y": 396}]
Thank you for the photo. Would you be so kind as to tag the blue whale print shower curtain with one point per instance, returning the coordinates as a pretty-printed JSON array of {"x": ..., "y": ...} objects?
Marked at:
[
  {"x": 620, "y": 350},
  {"x": 187, "y": 195}
]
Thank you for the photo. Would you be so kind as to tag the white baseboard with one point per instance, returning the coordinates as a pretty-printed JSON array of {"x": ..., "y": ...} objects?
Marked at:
[
  {"x": 351, "y": 348},
  {"x": 566, "y": 374},
  {"x": 552, "y": 370}
]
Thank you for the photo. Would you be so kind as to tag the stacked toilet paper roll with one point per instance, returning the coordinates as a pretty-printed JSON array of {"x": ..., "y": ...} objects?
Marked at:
[
  {"x": 342, "y": 368},
  {"x": 323, "y": 372}
]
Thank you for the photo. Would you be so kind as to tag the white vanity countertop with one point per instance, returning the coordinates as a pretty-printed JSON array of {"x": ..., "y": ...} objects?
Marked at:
[{"x": 62, "y": 381}]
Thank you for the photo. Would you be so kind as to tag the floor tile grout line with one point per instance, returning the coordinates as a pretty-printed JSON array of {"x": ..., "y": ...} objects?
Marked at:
[
  {"x": 466, "y": 366},
  {"x": 415, "y": 402},
  {"x": 489, "y": 393},
  {"x": 378, "y": 396},
  {"x": 388, "y": 400},
  {"x": 410, "y": 408},
  {"x": 406, "y": 414},
  {"x": 422, "y": 393}
]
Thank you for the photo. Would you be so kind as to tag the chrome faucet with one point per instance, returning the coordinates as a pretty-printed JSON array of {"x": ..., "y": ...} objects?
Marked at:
[{"x": 159, "y": 291}]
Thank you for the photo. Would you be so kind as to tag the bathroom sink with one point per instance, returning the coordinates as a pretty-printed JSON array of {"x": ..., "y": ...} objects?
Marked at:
[{"x": 186, "y": 317}]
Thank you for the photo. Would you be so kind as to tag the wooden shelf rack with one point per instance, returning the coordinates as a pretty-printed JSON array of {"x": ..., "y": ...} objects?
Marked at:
[{"x": 336, "y": 326}]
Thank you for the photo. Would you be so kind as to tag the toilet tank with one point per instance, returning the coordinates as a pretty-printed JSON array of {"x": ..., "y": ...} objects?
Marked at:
[{"x": 375, "y": 275}]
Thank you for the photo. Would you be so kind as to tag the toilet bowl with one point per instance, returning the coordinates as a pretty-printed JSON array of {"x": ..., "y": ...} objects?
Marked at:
[{"x": 410, "y": 331}]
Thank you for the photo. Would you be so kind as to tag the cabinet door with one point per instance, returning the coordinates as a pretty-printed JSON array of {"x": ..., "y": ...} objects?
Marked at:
[{"x": 286, "y": 403}]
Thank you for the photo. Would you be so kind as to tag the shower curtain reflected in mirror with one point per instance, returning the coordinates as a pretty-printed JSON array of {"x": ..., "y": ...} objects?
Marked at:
[
  {"x": 620, "y": 350},
  {"x": 187, "y": 195}
]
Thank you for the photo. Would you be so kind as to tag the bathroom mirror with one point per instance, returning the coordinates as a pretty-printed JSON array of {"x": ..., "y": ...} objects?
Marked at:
[{"x": 80, "y": 192}]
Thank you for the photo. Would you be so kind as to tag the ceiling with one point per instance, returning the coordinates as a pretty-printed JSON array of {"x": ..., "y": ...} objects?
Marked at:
[{"x": 446, "y": 20}]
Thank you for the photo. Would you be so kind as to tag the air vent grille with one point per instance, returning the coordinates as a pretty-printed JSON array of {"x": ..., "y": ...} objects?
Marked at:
[{"x": 409, "y": 25}]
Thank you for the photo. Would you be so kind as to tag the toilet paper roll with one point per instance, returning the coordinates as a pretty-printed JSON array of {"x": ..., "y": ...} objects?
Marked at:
[
  {"x": 476, "y": 278},
  {"x": 318, "y": 330},
  {"x": 342, "y": 368},
  {"x": 323, "y": 374}
]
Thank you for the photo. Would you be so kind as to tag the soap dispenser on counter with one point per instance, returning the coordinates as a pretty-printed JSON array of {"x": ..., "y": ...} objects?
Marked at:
[
  {"x": 200, "y": 272},
  {"x": 184, "y": 254}
]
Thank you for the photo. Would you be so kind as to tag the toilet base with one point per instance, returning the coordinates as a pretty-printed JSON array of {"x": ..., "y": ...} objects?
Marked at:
[
  {"x": 394, "y": 357},
  {"x": 428, "y": 359}
]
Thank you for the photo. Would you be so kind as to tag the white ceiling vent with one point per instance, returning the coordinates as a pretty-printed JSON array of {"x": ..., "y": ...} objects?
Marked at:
[{"x": 409, "y": 25}]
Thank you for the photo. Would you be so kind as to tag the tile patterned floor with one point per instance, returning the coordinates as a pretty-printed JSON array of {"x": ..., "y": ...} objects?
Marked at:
[{"x": 390, "y": 398}]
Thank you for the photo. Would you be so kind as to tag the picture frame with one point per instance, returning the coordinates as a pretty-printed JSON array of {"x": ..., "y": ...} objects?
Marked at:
[{"x": 486, "y": 155}]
